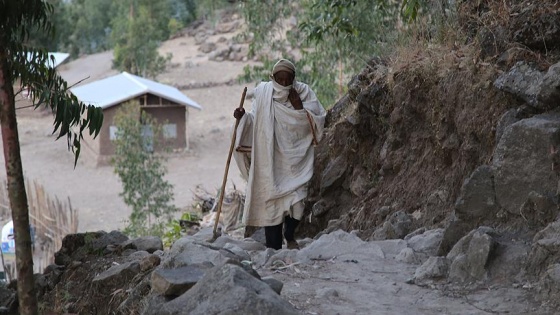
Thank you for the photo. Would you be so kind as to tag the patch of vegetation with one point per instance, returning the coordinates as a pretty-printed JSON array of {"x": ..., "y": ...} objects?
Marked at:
[{"x": 142, "y": 172}]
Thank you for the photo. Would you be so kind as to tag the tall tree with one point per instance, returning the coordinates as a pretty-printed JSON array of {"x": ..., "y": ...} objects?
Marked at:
[
  {"x": 137, "y": 33},
  {"x": 31, "y": 67}
]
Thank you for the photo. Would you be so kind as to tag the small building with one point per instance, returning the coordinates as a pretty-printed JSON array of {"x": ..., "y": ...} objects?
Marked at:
[{"x": 163, "y": 102}]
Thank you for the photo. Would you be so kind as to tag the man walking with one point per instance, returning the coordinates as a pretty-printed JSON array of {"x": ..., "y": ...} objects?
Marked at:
[{"x": 275, "y": 152}]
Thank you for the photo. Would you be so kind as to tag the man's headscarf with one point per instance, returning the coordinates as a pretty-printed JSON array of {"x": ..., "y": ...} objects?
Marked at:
[{"x": 284, "y": 65}]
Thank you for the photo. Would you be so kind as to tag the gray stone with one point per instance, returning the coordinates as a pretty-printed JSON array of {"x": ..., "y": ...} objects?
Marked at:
[
  {"x": 550, "y": 231},
  {"x": 407, "y": 255},
  {"x": 435, "y": 268},
  {"x": 470, "y": 257},
  {"x": 523, "y": 81},
  {"x": 549, "y": 284},
  {"x": 207, "y": 47},
  {"x": 521, "y": 161},
  {"x": 117, "y": 275},
  {"x": 238, "y": 251},
  {"x": 360, "y": 184},
  {"x": 226, "y": 289},
  {"x": 507, "y": 119},
  {"x": 149, "y": 262},
  {"x": 333, "y": 172},
  {"x": 327, "y": 293},
  {"x": 186, "y": 251},
  {"x": 261, "y": 258},
  {"x": 275, "y": 284},
  {"x": 454, "y": 231},
  {"x": 320, "y": 208},
  {"x": 418, "y": 231},
  {"x": 427, "y": 242},
  {"x": 549, "y": 93},
  {"x": 341, "y": 244},
  {"x": 247, "y": 244},
  {"x": 259, "y": 236},
  {"x": 477, "y": 198},
  {"x": 145, "y": 243},
  {"x": 203, "y": 235},
  {"x": 174, "y": 282},
  {"x": 137, "y": 255},
  {"x": 538, "y": 210},
  {"x": 397, "y": 226},
  {"x": 390, "y": 248},
  {"x": 543, "y": 252}
]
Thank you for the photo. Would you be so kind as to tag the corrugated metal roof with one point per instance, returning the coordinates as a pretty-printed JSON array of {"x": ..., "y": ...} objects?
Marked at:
[
  {"x": 58, "y": 58},
  {"x": 121, "y": 87}
]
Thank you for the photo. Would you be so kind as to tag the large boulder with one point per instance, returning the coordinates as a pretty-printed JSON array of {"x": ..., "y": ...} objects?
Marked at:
[
  {"x": 523, "y": 81},
  {"x": 174, "y": 282},
  {"x": 471, "y": 255},
  {"x": 477, "y": 198},
  {"x": 187, "y": 251},
  {"x": 426, "y": 243},
  {"x": 545, "y": 249},
  {"x": 432, "y": 270},
  {"x": 77, "y": 246},
  {"x": 521, "y": 161},
  {"x": 538, "y": 89},
  {"x": 226, "y": 289},
  {"x": 341, "y": 245}
]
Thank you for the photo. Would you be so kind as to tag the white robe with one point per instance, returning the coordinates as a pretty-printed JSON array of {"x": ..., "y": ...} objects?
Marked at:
[{"x": 280, "y": 163}]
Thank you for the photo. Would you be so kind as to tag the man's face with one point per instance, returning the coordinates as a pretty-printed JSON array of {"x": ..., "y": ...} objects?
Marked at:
[{"x": 284, "y": 78}]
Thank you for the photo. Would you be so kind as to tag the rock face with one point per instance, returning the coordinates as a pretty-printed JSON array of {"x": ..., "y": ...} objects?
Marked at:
[
  {"x": 226, "y": 289},
  {"x": 521, "y": 161},
  {"x": 477, "y": 199}
]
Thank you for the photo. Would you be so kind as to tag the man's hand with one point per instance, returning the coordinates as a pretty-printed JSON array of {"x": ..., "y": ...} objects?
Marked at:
[
  {"x": 295, "y": 99},
  {"x": 238, "y": 113}
]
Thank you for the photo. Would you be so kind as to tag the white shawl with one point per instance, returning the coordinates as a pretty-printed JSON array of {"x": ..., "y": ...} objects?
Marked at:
[{"x": 280, "y": 162}]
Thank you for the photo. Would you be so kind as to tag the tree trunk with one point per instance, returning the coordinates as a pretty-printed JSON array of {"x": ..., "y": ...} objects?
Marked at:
[{"x": 16, "y": 192}]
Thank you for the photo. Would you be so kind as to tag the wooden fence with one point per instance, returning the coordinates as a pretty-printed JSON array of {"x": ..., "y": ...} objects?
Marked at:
[{"x": 51, "y": 218}]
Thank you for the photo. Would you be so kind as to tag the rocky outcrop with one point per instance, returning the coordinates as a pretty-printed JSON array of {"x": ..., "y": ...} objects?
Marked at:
[
  {"x": 222, "y": 290},
  {"x": 521, "y": 161}
]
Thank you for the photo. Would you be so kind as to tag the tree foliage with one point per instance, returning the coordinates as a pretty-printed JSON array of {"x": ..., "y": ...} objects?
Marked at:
[
  {"x": 85, "y": 27},
  {"x": 330, "y": 38},
  {"x": 142, "y": 172},
  {"x": 137, "y": 33}
]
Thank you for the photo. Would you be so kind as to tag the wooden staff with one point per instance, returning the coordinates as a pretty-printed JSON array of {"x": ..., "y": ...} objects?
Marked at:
[{"x": 222, "y": 191}]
